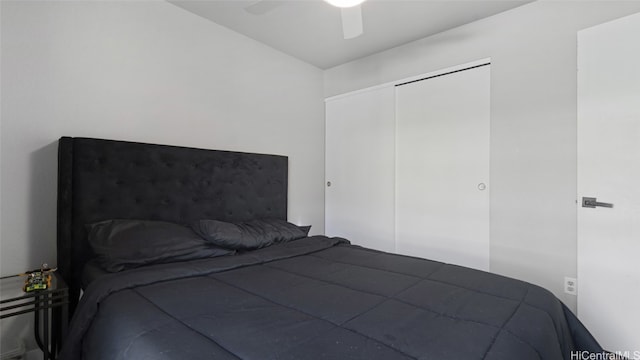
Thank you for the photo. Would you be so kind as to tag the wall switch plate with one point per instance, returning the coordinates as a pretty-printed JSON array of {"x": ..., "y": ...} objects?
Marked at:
[{"x": 570, "y": 285}]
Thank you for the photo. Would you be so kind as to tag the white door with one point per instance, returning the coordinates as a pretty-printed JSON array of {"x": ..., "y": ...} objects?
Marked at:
[
  {"x": 442, "y": 168},
  {"x": 359, "y": 168},
  {"x": 609, "y": 170}
]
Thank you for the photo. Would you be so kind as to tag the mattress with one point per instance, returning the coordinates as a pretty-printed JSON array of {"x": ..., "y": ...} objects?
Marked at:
[{"x": 319, "y": 298}]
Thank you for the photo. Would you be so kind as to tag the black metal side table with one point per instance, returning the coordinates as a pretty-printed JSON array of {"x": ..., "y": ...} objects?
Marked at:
[{"x": 50, "y": 308}]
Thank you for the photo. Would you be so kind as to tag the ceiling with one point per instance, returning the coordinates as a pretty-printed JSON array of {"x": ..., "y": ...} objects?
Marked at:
[{"x": 311, "y": 30}]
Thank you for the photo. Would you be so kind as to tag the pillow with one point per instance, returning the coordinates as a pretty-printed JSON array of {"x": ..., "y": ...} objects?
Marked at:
[
  {"x": 305, "y": 229},
  {"x": 127, "y": 244},
  {"x": 248, "y": 235}
]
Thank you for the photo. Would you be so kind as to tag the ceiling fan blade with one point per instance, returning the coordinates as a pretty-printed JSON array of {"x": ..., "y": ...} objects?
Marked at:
[
  {"x": 352, "y": 22},
  {"x": 262, "y": 7}
]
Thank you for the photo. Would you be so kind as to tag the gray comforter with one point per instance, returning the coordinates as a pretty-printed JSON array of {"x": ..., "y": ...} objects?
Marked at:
[{"x": 319, "y": 298}]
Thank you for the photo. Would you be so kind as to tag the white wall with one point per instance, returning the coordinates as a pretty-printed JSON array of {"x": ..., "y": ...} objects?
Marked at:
[
  {"x": 142, "y": 71},
  {"x": 533, "y": 123}
]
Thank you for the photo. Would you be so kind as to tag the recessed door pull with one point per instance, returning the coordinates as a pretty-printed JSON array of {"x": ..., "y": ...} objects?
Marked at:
[{"x": 590, "y": 202}]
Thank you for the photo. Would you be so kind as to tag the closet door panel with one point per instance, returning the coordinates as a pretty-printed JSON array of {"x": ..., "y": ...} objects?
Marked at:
[
  {"x": 360, "y": 168},
  {"x": 442, "y": 168}
]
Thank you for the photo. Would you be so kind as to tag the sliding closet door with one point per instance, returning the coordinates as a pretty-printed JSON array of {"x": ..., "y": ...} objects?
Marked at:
[
  {"x": 442, "y": 168},
  {"x": 360, "y": 168}
]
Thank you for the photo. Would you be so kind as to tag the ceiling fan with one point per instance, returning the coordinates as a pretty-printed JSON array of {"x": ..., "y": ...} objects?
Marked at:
[{"x": 350, "y": 9}]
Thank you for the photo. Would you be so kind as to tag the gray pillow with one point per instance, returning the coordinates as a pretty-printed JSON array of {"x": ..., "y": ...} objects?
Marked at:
[
  {"x": 126, "y": 244},
  {"x": 250, "y": 235}
]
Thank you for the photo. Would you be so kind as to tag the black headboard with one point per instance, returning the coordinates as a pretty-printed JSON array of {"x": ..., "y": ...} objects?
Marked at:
[{"x": 106, "y": 179}]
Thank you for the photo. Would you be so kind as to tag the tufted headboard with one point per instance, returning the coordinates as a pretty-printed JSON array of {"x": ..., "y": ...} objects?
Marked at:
[{"x": 106, "y": 179}]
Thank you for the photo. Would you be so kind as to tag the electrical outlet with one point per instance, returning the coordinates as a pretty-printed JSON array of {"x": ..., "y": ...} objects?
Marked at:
[{"x": 570, "y": 285}]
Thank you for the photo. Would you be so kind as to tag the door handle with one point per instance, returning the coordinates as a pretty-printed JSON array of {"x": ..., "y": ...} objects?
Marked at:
[{"x": 590, "y": 202}]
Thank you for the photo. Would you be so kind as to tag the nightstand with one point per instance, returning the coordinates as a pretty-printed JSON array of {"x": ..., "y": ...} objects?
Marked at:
[{"x": 50, "y": 308}]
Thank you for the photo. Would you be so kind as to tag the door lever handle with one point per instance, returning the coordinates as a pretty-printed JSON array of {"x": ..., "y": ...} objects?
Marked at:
[{"x": 590, "y": 202}]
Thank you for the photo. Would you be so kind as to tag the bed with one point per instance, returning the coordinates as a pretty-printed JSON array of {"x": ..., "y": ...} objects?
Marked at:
[{"x": 295, "y": 297}]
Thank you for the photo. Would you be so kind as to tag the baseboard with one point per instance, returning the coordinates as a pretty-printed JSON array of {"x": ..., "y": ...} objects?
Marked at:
[{"x": 13, "y": 354}]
